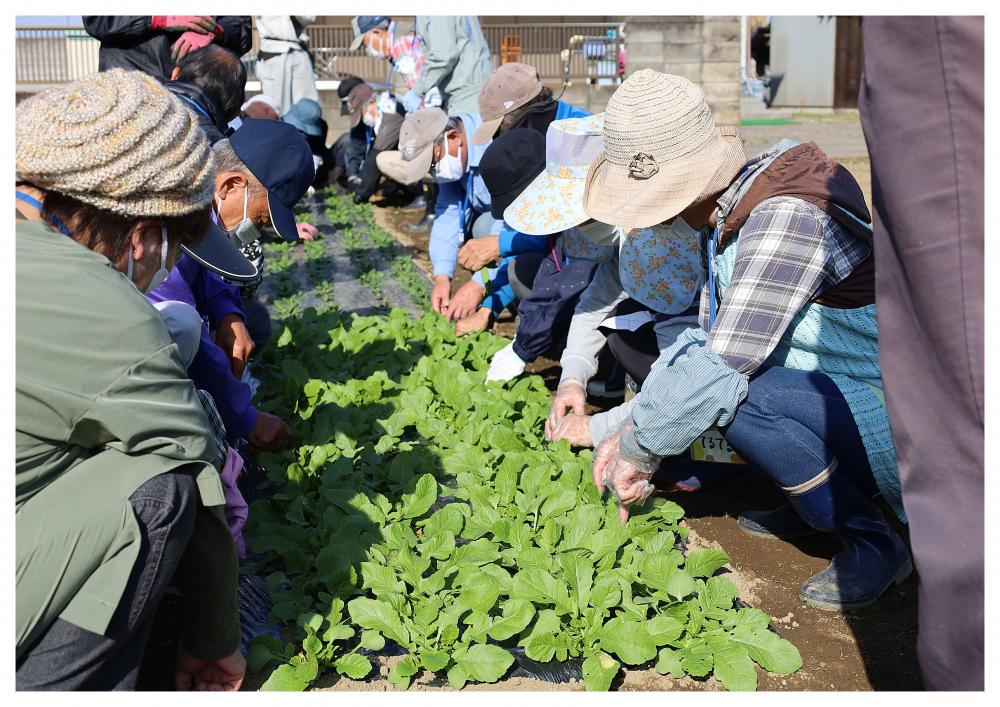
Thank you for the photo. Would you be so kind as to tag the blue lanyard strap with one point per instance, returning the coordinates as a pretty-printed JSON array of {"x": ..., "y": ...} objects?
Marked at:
[
  {"x": 711, "y": 277},
  {"x": 21, "y": 196},
  {"x": 465, "y": 203}
]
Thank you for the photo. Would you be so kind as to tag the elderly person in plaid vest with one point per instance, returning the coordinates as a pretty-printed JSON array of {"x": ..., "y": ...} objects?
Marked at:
[{"x": 785, "y": 362}]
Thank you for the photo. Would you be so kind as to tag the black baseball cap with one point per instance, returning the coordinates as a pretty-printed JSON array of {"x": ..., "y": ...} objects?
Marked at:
[
  {"x": 344, "y": 90},
  {"x": 510, "y": 164},
  {"x": 280, "y": 158}
]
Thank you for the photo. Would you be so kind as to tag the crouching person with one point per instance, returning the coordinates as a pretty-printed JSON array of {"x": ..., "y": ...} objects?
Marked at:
[
  {"x": 116, "y": 481},
  {"x": 785, "y": 362}
]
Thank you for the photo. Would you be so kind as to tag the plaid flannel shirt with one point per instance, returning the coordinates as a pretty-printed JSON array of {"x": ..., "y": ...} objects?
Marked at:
[{"x": 788, "y": 252}]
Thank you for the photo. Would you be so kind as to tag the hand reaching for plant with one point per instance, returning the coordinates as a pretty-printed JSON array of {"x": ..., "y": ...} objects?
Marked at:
[
  {"x": 441, "y": 294},
  {"x": 478, "y": 252},
  {"x": 307, "y": 232},
  {"x": 474, "y": 322},
  {"x": 466, "y": 301},
  {"x": 571, "y": 396},
  {"x": 629, "y": 481},
  {"x": 575, "y": 429}
]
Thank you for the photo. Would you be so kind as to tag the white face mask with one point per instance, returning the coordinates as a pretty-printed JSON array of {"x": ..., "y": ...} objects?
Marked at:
[
  {"x": 161, "y": 274},
  {"x": 246, "y": 231},
  {"x": 371, "y": 120},
  {"x": 600, "y": 233},
  {"x": 449, "y": 168}
]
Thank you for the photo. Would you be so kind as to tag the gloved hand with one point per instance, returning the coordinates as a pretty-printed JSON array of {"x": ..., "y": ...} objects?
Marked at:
[
  {"x": 201, "y": 24},
  {"x": 189, "y": 42},
  {"x": 306, "y": 231},
  {"x": 505, "y": 365},
  {"x": 575, "y": 429},
  {"x": 410, "y": 101},
  {"x": 629, "y": 481},
  {"x": 571, "y": 396}
]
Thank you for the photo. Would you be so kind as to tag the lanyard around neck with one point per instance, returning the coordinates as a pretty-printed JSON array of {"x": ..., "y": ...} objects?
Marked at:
[
  {"x": 21, "y": 196},
  {"x": 465, "y": 201},
  {"x": 711, "y": 246}
]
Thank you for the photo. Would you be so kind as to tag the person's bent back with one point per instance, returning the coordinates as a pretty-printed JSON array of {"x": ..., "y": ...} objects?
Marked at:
[{"x": 116, "y": 480}]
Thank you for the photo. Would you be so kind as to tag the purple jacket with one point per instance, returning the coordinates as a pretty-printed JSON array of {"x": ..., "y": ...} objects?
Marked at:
[{"x": 204, "y": 290}]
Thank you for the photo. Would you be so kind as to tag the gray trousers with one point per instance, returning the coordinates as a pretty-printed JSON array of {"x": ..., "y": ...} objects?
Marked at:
[
  {"x": 922, "y": 112},
  {"x": 67, "y": 657},
  {"x": 288, "y": 78}
]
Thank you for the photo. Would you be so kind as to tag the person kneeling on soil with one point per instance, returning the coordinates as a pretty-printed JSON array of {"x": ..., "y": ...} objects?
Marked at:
[
  {"x": 116, "y": 471},
  {"x": 431, "y": 141},
  {"x": 786, "y": 360},
  {"x": 384, "y": 126}
]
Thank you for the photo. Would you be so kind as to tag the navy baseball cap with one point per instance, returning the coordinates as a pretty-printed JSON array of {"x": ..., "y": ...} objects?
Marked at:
[
  {"x": 280, "y": 158},
  {"x": 365, "y": 23}
]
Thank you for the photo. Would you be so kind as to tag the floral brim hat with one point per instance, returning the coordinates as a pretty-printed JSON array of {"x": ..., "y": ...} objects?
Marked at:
[{"x": 553, "y": 202}]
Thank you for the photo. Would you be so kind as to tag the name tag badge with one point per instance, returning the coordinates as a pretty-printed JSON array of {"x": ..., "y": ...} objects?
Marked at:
[{"x": 711, "y": 446}]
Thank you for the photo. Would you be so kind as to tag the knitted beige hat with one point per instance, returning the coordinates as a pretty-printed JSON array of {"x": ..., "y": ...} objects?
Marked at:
[
  {"x": 117, "y": 140},
  {"x": 662, "y": 152}
]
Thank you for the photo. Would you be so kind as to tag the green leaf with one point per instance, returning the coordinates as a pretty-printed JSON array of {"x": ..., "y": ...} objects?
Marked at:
[
  {"x": 292, "y": 677},
  {"x": 480, "y": 592},
  {"x": 380, "y": 616},
  {"x": 697, "y": 658},
  {"x": 380, "y": 579},
  {"x": 664, "y": 629},
  {"x": 435, "y": 661},
  {"x": 537, "y": 585},
  {"x": 450, "y": 519},
  {"x": 457, "y": 677},
  {"x": 517, "y": 614},
  {"x": 337, "y": 632},
  {"x": 579, "y": 572},
  {"x": 606, "y": 592},
  {"x": 680, "y": 584},
  {"x": 260, "y": 654},
  {"x": 628, "y": 639},
  {"x": 372, "y": 640},
  {"x": 599, "y": 670},
  {"x": 705, "y": 562},
  {"x": 670, "y": 662},
  {"x": 419, "y": 502},
  {"x": 485, "y": 663},
  {"x": 719, "y": 592},
  {"x": 402, "y": 672},
  {"x": 733, "y": 667},
  {"x": 656, "y": 570},
  {"x": 353, "y": 665},
  {"x": 773, "y": 653},
  {"x": 747, "y": 617},
  {"x": 541, "y": 647}
]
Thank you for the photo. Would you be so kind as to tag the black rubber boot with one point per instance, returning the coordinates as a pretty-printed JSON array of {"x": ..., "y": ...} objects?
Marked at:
[
  {"x": 783, "y": 523},
  {"x": 874, "y": 556}
]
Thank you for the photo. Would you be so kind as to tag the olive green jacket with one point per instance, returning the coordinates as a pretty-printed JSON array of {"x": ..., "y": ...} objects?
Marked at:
[
  {"x": 102, "y": 405},
  {"x": 458, "y": 60}
]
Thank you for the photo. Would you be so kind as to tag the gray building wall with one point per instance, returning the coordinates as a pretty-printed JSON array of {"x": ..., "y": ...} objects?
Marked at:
[
  {"x": 803, "y": 60},
  {"x": 702, "y": 48}
]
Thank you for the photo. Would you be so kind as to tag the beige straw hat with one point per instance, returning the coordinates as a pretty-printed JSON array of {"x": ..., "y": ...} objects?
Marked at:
[{"x": 662, "y": 153}]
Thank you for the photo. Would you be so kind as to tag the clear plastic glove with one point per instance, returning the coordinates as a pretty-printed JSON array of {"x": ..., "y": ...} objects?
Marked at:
[
  {"x": 571, "y": 396},
  {"x": 575, "y": 429},
  {"x": 505, "y": 365},
  {"x": 628, "y": 481},
  {"x": 410, "y": 101},
  {"x": 306, "y": 231}
]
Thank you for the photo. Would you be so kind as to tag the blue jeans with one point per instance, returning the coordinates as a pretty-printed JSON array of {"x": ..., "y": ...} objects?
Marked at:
[{"x": 794, "y": 424}]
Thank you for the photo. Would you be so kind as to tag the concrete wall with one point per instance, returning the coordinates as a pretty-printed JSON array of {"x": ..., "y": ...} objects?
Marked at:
[{"x": 702, "y": 48}]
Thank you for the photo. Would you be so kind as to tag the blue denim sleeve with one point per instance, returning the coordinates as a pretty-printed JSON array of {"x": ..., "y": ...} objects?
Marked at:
[
  {"x": 446, "y": 232},
  {"x": 689, "y": 389},
  {"x": 515, "y": 243},
  {"x": 210, "y": 371}
]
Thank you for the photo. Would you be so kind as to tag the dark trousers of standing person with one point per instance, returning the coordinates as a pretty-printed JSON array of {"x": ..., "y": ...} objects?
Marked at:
[
  {"x": 922, "y": 113},
  {"x": 67, "y": 657}
]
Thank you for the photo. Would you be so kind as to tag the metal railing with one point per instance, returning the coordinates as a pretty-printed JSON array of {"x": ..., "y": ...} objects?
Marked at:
[{"x": 59, "y": 54}]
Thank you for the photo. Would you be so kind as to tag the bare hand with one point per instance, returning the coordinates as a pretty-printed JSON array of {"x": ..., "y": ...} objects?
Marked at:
[
  {"x": 307, "y": 232},
  {"x": 269, "y": 434},
  {"x": 575, "y": 429},
  {"x": 479, "y": 252},
  {"x": 233, "y": 338},
  {"x": 570, "y": 397},
  {"x": 465, "y": 302},
  {"x": 223, "y": 675},
  {"x": 441, "y": 294},
  {"x": 474, "y": 322}
]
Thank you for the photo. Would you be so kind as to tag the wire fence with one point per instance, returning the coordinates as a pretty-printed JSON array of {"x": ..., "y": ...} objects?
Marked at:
[{"x": 45, "y": 55}]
